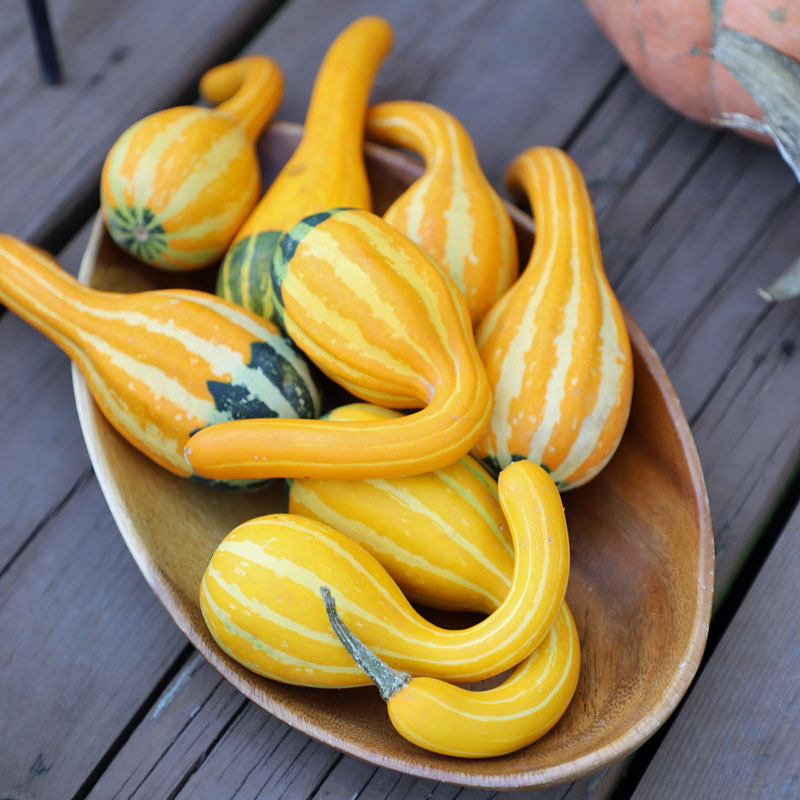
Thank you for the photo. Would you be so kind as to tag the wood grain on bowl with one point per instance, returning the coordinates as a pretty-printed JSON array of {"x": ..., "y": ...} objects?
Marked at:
[{"x": 642, "y": 557}]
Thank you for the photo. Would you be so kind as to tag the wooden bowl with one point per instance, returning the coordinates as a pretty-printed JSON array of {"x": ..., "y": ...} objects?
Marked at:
[{"x": 642, "y": 556}]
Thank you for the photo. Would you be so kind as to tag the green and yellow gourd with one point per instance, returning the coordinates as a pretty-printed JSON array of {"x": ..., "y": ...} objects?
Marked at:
[
  {"x": 178, "y": 184},
  {"x": 377, "y": 315},
  {"x": 433, "y": 714},
  {"x": 260, "y": 597},
  {"x": 327, "y": 169},
  {"x": 452, "y": 211},
  {"x": 442, "y": 536},
  {"x": 555, "y": 345},
  {"x": 160, "y": 364}
]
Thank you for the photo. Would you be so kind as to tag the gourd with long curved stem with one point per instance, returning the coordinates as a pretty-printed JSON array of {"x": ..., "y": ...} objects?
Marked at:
[
  {"x": 555, "y": 345},
  {"x": 327, "y": 169},
  {"x": 159, "y": 364},
  {"x": 442, "y": 535},
  {"x": 452, "y": 211},
  {"x": 178, "y": 184},
  {"x": 260, "y": 597},
  {"x": 454, "y": 721},
  {"x": 377, "y": 315}
]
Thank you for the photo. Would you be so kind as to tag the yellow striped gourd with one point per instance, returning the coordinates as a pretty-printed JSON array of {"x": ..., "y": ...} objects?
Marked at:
[
  {"x": 178, "y": 184},
  {"x": 434, "y": 714},
  {"x": 442, "y": 535},
  {"x": 555, "y": 345},
  {"x": 326, "y": 170},
  {"x": 452, "y": 210},
  {"x": 377, "y": 315},
  {"x": 160, "y": 364},
  {"x": 260, "y": 597}
]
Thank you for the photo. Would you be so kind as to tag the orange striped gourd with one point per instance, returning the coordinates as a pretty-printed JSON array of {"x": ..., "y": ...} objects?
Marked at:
[
  {"x": 326, "y": 170},
  {"x": 434, "y": 714},
  {"x": 376, "y": 314},
  {"x": 160, "y": 364},
  {"x": 555, "y": 345},
  {"x": 452, "y": 210},
  {"x": 178, "y": 184},
  {"x": 442, "y": 535},
  {"x": 260, "y": 597}
]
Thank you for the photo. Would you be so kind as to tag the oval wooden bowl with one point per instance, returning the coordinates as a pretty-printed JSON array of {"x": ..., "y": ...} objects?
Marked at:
[{"x": 642, "y": 557}]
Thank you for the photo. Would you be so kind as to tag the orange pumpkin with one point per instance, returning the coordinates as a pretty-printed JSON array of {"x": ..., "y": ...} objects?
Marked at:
[{"x": 669, "y": 45}]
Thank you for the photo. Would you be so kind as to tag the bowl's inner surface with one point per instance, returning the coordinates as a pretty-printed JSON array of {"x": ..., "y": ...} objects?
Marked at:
[{"x": 640, "y": 583}]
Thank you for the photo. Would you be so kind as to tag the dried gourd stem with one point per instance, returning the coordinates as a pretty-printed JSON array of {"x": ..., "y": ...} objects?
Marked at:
[
  {"x": 773, "y": 80},
  {"x": 389, "y": 681}
]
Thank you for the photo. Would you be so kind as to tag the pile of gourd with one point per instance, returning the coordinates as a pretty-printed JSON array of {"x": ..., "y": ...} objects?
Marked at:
[{"x": 385, "y": 508}]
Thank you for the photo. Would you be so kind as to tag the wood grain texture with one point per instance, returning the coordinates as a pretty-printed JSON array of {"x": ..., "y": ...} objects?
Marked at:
[
  {"x": 53, "y": 139},
  {"x": 737, "y": 736}
]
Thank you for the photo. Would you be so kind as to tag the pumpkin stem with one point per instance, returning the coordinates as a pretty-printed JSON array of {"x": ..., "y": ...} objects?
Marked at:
[
  {"x": 248, "y": 89},
  {"x": 388, "y": 680}
]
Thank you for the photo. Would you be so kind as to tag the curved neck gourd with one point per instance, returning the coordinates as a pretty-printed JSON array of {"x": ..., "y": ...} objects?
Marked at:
[
  {"x": 177, "y": 185},
  {"x": 327, "y": 169},
  {"x": 159, "y": 364},
  {"x": 248, "y": 90},
  {"x": 555, "y": 346},
  {"x": 378, "y": 316},
  {"x": 260, "y": 597},
  {"x": 452, "y": 211}
]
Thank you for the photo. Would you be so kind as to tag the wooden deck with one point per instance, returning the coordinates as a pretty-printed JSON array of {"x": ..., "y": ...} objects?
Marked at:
[{"x": 100, "y": 694}]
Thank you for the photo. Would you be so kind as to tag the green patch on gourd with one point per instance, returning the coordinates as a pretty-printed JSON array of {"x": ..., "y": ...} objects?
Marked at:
[
  {"x": 244, "y": 277},
  {"x": 138, "y": 231}
]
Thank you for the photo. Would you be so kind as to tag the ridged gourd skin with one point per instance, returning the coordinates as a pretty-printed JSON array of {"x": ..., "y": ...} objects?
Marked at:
[
  {"x": 376, "y": 314},
  {"x": 260, "y": 597},
  {"x": 452, "y": 211},
  {"x": 327, "y": 169},
  {"x": 178, "y": 184},
  {"x": 454, "y": 721},
  {"x": 555, "y": 345},
  {"x": 442, "y": 536},
  {"x": 160, "y": 364}
]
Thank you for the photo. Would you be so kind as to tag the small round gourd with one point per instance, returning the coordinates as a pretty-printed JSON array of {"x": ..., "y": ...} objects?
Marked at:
[{"x": 178, "y": 184}]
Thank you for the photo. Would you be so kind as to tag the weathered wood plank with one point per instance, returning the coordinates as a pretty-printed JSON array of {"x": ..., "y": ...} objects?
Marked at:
[
  {"x": 737, "y": 733},
  {"x": 53, "y": 139},
  {"x": 84, "y": 642}
]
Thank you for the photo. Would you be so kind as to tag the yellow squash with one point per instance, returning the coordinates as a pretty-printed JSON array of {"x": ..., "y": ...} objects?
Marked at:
[
  {"x": 555, "y": 345},
  {"x": 178, "y": 184},
  {"x": 377, "y": 315},
  {"x": 260, "y": 597},
  {"x": 159, "y": 364},
  {"x": 454, "y": 721},
  {"x": 452, "y": 210},
  {"x": 442, "y": 535},
  {"x": 326, "y": 170}
]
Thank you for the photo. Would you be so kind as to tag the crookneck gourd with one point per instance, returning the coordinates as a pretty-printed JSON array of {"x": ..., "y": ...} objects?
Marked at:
[
  {"x": 555, "y": 345},
  {"x": 160, "y": 364},
  {"x": 327, "y": 169},
  {"x": 442, "y": 535},
  {"x": 377, "y": 315},
  {"x": 434, "y": 714},
  {"x": 452, "y": 210},
  {"x": 260, "y": 597},
  {"x": 178, "y": 184}
]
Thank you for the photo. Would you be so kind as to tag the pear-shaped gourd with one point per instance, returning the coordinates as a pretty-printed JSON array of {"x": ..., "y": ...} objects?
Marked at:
[
  {"x": 159, "y": 364},
  {"x": 327, "y": 169},
  {"x": 452, "y": 211},
  {"x": 178, "y": 184},
  {"x": 260, "y": 597},
  {"x": 377, "y": 315},
  {"x": 442, "y": 535},
  {"x": 555, "y": 345},
  {"x": 437, "y": 716}
]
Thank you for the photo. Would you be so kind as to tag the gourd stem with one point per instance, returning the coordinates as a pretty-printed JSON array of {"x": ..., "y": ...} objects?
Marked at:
[
  {"x": 249, "y": 90},
  {"x": 389, "y": 681}
]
